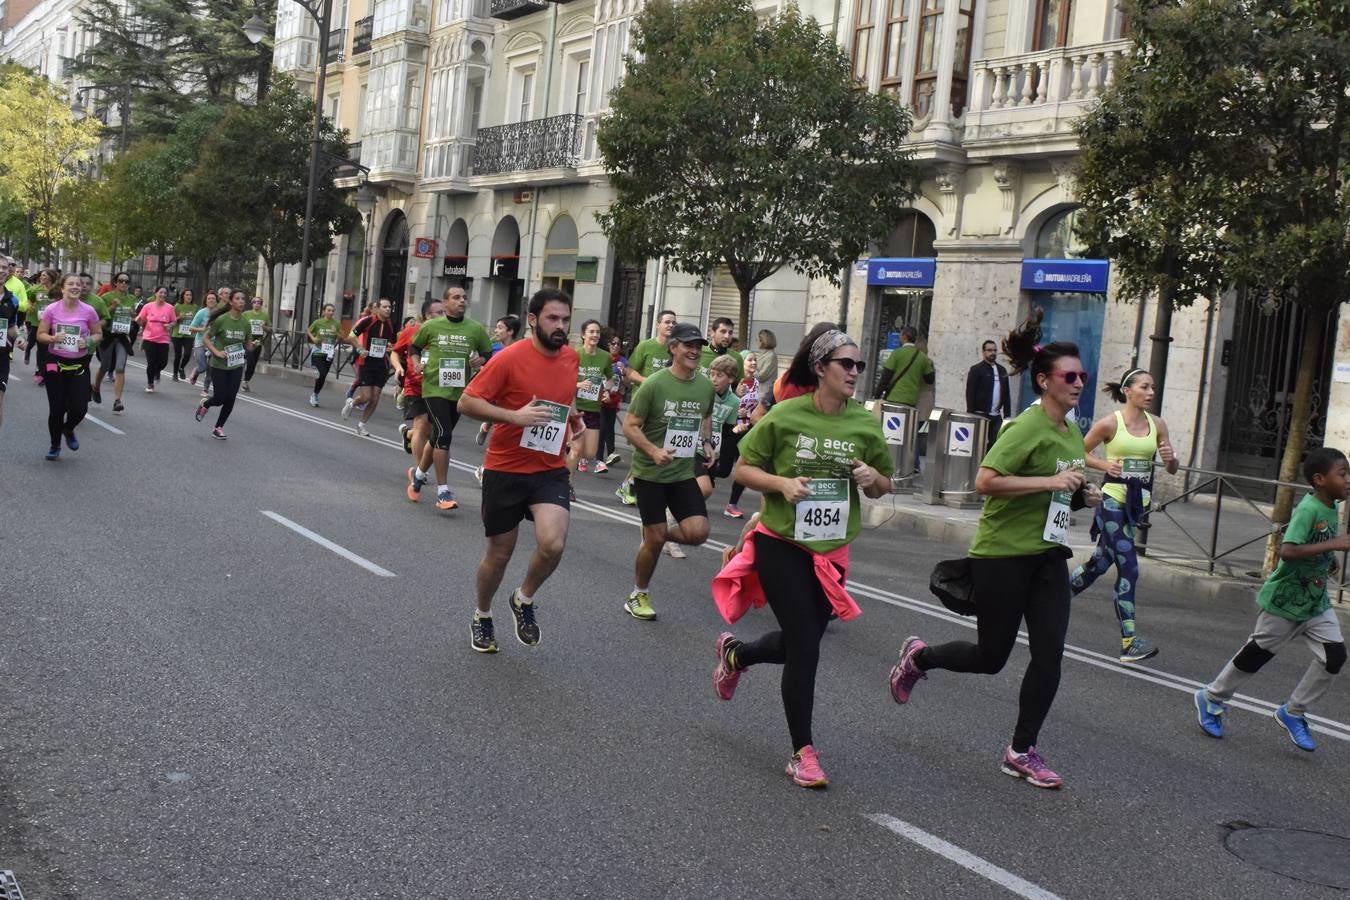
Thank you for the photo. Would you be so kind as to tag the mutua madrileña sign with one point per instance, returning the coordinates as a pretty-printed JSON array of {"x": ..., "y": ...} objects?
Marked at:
[
  {"x": 897, "y": 272},
  {"x": 1071, "y": 276}
]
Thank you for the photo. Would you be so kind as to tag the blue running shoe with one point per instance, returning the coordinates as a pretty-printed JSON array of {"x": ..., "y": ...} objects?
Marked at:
[
  {"x": 53, "y": 454},
  {"x": 1297, "y": 726},
  {"x": 72, "y": 441},
  {"x": 1209, "y": 712}
]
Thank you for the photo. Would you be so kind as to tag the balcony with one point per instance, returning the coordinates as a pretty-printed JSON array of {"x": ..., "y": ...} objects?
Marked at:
[
  {"x": 547, "y": 148},
  {"x": 447, "y": 165},
  {"x": 361, "y": 35},
  {"x": 337, "y": 46},
  {"x": 1027, "y": 105},
  {"x": 514, "y": 9}
]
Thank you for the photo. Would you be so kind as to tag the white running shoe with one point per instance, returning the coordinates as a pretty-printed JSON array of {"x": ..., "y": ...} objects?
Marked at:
[
  {"x": 347, "y": 408},
  {"x": 361, "y": 430},
  {"x": 314, "y": 400}
]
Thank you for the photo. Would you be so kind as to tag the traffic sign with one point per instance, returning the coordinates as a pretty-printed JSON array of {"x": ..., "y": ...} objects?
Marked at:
[
  {"x": 893, "y": 427},
  {"x": 961, "y": 440},
  {"x": 424, "y": 248}
]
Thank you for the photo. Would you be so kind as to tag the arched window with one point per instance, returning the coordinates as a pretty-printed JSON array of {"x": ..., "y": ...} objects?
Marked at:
[
  {"x": 1056, "y": 239},
  {"x": 560, "y": 255}
]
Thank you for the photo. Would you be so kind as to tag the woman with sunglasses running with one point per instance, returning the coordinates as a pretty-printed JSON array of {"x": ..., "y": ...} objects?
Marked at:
[
  {"x": 809, "y": 457},
  {"x": 184, "y": 309},
  {"x": 1018, "y": 560}
]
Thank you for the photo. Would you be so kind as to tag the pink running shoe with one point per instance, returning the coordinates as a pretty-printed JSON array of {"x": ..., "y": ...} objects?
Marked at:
[
  {"x": 1030, "y": 766},
  {"x": 804, "y": 767},
  {"x": 905, "y": 674},
  {"x": 725, "y": 677}
]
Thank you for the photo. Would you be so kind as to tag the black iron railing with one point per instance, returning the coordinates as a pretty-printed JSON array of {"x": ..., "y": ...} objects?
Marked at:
[
  {"x": 514, "y": 9},
  {"x": 525, "y": 146},
  {"x": 361, "y": 33},
  {"x": 337, "y": 46}
]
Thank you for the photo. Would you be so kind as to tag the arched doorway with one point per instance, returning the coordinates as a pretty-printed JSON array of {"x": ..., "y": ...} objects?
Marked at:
[
  {"x": 456, "y": 264},
  {"x": 394, "y": 263},
  {"x": 506, "y": 291}
]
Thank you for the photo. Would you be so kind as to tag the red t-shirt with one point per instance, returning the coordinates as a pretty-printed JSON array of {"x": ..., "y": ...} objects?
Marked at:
[
  {"x": 510, "y": 379},
  {"x": 412, "y": 382}
]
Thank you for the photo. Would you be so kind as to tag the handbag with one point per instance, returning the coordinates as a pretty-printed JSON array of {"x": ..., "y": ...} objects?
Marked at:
[{"x": 952, "y": 583}]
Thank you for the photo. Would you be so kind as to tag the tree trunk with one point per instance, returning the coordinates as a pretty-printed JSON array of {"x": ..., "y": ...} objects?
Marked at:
[
  {"x": 1162, "y": 343},
  {"x": 743, "y": 326},
  {"x": 1310, "y": 354}
]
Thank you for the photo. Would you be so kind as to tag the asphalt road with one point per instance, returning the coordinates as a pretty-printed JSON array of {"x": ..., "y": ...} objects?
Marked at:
[{"x": 199, "y": 702}]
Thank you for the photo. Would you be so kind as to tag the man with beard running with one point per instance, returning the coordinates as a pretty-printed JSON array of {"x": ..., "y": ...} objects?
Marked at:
[
  {"x": 528, "y": 391},
  {"x": 373, "y": 338}
]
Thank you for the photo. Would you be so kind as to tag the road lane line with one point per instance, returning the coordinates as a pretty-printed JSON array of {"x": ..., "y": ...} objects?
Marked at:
[
  {"x": 327, "y": 544},
  {"x": 980, "y": 866},
  {"x": 102, "y": 424},
  {"x": 1331, "y": 727}
]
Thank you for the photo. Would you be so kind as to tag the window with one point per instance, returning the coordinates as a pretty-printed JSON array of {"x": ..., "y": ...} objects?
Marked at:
[
  {"x": 474, "y": 107},
  {"x": 926, "y": 60},
  {"x": 583, "y": 70},
  {"x": 864, "y": 22},
  {"x": 965, "y": 14},
  {"x": 1052, "y": 23},
  {"x": 524, "y": 101},
  {"x": 897, "y": 20},
  {"x": 334, "y": 105}
]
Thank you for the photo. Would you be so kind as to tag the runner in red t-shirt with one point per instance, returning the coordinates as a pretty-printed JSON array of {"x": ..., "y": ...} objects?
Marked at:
[
  {"x": 527, "y": 391},
  {"x": 415, "y": 426}
]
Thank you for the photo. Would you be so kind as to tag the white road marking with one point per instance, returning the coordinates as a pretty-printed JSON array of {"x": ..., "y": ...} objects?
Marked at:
[
  {"x": 980, "y": 866},
  {"x": 1329, "y": 727},
  {"x": 327, "y": 544},
  {"x": 102, "y": 424}
]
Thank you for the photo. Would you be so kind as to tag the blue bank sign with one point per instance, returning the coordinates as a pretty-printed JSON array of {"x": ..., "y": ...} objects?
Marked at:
[
  {"x": 901, "y": 272},
  {"x": 1079, "y": 276}
]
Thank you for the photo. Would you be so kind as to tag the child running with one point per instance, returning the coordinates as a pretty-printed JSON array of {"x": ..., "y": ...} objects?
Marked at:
[{"x": 1294, "y": 603}]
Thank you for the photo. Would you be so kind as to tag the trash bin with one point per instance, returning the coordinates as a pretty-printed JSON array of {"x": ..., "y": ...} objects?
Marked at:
[
  {"x": 900, "y": 425},
  {"x": 962, "y": 443}
]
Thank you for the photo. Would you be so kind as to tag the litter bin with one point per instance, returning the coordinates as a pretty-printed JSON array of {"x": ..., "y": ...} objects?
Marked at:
[
  {"x": 962, "y": 444},
  {"x": 900, "y": 425}
]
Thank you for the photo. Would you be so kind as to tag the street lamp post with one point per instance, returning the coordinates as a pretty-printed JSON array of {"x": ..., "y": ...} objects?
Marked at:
[{"x": 255, "y": 29}]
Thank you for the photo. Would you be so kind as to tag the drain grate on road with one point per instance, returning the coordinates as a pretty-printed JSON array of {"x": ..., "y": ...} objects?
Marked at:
[
  {"x": 1314, "y": 857},
  {"x": 9, "y": 886}
]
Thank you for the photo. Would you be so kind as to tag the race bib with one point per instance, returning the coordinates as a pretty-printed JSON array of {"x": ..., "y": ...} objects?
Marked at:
[
  {"x": 378, "y": 346},
  {"x": 453, "y": 372},
  {"x": 185, "y": 329},
  {"x": 547, "y": 437},
  {"x": 1057, "y": 518},
  {"x": 681, "y": 436},
  {"x": 327, "y": 348},
  {"x": 70, "y": 338},
  {"x": 590, "y": 393},
  {"x": 4, "y": 333},
  {"x": 256, "y": 326},
  {"x": 824, "y": 515},
  {"x": 121, "y": 325},
  {"x": 234, "y": 356},
  {"x": 1136, "y": 468}
]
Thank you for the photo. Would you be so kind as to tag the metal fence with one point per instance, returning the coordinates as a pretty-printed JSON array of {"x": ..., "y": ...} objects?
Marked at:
[{"x": 292, "y": 349}]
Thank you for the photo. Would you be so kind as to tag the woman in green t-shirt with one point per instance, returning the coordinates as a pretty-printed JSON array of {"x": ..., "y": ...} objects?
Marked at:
[
  {"x": 1018, "y": 558},
  {"x": 185, "y": 309},
  {"x": 325, "y": 333},
  {"x": 228, "y": 338},
  {"x": 809, "y": 457},
  {"x": 593, "y": 366}
]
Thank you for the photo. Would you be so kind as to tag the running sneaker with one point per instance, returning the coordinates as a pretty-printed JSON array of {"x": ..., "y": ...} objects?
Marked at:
[
  {"x": 625, "y": 494},
  {"x": 53, "y": 454},
  {"x": 599, "y": 468},
  {"x": 1297, "y": 726},
  {"x": 405, "y": 435},
  {"x": 906, "y": 673},
  {"x": 314, "y": 400},
  {"x": 446, "y": 500},
  {"x": 38, "y": 380},
  {"x": 732, "y": 511},
  {"x": 200, "y": 413},
  {"x": 571, "y": 494},
  {"x": 149, "y": 388},
  {"x": 218, "y": 433},
  {"x": 94, "y": 394},
  {"x": 72, "y": 441},
  {"x": 478, "y": 474},
  {"x": 398, "y": 400},
  {"x": 725, "y": 677},
  {"x": 176, "y": 379},
  {"x": 118, "y": 407},
  {"x": 1209, "y": 714},
  {"x": 347, "y": 408},
  {"x": 1030, "y": 766},
  {"x": 613, "y": 459},
  {"x": 205, "y": 394},
  {"x": 527, "y": 629},
  {"x": 674, "y": 551},
  {"x": 246, "y": 388},
  {"x": 361, "y": 430},
  {"x": 483, "y": 637},
  {"x": 1137, "y": 650},
  {"x": 582, "y": 465},
  {"x": 193, "y": 380},
  {"x": 804, "y": 767},
  {"x": 415, "y": 484},
  {"x": 639, "y": 606},
  {"x": 481, "y": 437}
]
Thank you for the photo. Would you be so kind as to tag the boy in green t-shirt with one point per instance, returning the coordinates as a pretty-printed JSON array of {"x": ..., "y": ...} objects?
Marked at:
[{"x": 1294, "y": 603}]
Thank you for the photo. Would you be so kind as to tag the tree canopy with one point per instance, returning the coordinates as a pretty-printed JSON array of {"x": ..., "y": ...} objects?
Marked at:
[{"x": 744, "y": 142}]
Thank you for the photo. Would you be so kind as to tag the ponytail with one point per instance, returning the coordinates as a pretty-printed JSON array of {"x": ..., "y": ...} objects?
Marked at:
[
  {"x": 1116, "y": 389},
  {"x": 1025, "y": 353}
]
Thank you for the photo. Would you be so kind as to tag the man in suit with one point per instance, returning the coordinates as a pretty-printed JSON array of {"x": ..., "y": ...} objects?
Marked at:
[{"x": 987, "y": 391}]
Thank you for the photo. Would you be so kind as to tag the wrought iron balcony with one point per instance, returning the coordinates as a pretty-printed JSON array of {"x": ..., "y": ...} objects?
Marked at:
[
  {"x": 549, "y": 143},
  {"x": 514, "y": 9},
  {"x": 361, "y": 35},
  {"x": 337, "y": 46}
]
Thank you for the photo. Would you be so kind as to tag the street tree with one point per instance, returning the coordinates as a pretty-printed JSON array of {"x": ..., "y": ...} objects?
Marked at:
[
  {"x": 36, "y": 161},
  {"x": 744, "y": 142},
  {"x": 1255, "y": 92}
]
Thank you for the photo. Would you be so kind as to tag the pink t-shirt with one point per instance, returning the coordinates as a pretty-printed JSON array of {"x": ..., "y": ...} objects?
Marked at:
[
  {"x": 157, "y": 322},
  {"x": 72, "y": 324}
]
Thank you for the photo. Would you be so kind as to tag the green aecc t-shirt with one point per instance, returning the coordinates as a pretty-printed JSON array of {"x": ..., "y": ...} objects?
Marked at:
[
  {"x": 448, "y": 345},
  {"x": 649, "y": 356},
  {"x": 593, "y": 367},
  {"x": 228, "y": 334},
  {"x": 672, "y": 413}
]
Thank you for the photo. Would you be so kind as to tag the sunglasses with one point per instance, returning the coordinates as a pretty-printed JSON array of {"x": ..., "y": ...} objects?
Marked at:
[
  {"x": 849, "y": 365},
  {"x": 1071, "y": 377}
]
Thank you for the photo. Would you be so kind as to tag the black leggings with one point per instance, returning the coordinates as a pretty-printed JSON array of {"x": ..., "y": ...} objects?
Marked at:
[
  {"x": 225, "y": 386},
  {"x": 156, "y": 359},
  {"x": 609, "y": 416},
  {"x": 321, "y": 365},
  {"x": 67, "y": 383},
  {"x": 251, "y": 358},
  {"x": 182, "y": 355},
  {"x": 787, "y": 574},
  {"x": 30, "y": 344},
  {"x": 1006, "y": 590}
]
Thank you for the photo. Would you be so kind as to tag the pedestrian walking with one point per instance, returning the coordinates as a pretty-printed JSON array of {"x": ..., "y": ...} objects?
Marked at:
[
  {"x": 71, "y": 330},
  {"x": 1131, "y": 437},
  {"x": 987, "y": 391},
  {"x": 1294, "y": 604},
  {"x": 1018, "y": 557},
  {"x": 809, "y": 457}
]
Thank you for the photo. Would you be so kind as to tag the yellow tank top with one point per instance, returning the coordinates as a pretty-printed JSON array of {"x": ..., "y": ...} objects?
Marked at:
[{"x": 1135, "y": 454}]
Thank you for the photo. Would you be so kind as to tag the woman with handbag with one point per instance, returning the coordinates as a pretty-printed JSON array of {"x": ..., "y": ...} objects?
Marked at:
[{"x": 1018, "y": 558}]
